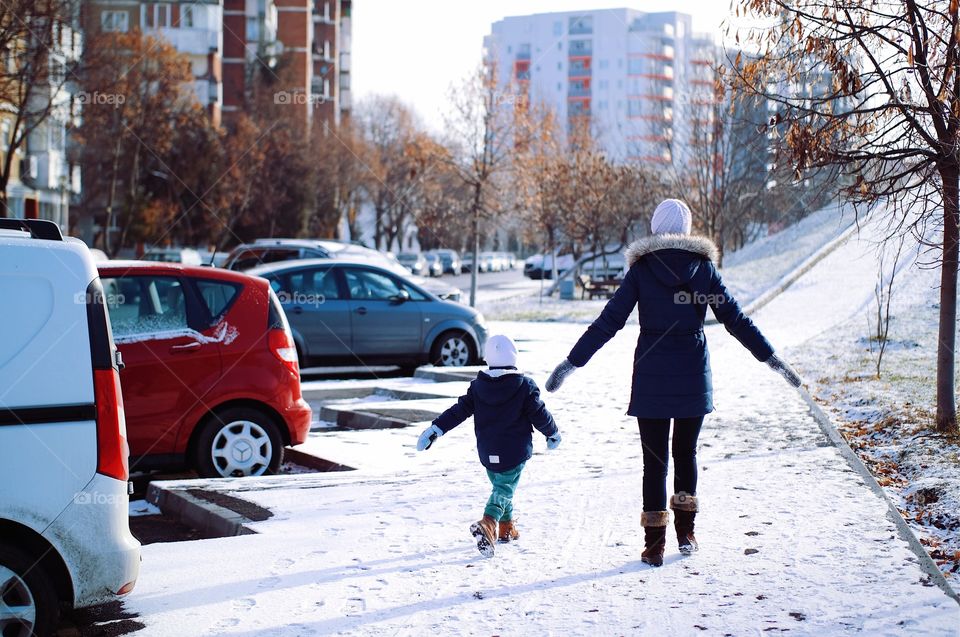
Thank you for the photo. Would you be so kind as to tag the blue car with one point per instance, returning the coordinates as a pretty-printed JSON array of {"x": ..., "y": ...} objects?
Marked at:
[{"x": 350, "y": 312}]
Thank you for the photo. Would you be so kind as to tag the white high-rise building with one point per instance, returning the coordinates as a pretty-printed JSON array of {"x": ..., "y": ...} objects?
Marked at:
[{"x": 642, "y": 78}]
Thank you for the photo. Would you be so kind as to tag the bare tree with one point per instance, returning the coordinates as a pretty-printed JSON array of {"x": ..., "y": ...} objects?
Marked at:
[
  {"x": 884, "y": 110},
  {"x": 35, "y": 37},
  {"x": 486, "y": 138}
]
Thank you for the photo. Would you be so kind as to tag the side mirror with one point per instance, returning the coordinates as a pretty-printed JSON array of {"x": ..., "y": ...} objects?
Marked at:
[{"x": 400, "y": 297}]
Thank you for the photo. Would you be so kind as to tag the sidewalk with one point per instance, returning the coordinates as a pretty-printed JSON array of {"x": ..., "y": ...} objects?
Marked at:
[{"x": 791, "y": 538}]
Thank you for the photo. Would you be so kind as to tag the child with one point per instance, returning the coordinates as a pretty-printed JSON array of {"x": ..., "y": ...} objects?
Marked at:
[{"x": 504, "y": 404}]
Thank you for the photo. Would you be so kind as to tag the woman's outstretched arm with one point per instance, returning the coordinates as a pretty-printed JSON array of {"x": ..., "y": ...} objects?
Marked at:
[
  {"x": 728, "y": 312},
  {"x": 611, "y": 320}
]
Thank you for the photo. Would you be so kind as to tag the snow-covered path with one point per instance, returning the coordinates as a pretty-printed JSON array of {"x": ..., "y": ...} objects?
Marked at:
[{"x": 791, "y": 537}]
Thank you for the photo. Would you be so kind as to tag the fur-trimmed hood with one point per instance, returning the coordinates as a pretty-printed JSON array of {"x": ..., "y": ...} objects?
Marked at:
[
  {"x": 691, "y": 243},
  {"x": 677, "y": 257}
]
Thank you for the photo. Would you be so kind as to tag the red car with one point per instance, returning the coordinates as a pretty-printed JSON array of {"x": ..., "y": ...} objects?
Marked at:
[{"x": 211, "y": 379}]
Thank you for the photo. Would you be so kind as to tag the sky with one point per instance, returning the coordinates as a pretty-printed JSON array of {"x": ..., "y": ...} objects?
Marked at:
[{"x": 418, "y": 48}]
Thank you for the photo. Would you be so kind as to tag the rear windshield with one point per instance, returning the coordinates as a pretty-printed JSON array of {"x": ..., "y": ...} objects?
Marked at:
[{"x": 251, "y": 258}]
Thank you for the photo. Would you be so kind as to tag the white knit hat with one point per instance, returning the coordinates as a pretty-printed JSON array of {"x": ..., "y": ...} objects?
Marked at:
[
  {"x": 500, "y": 351},
  {"x": 672, "y": 216}
]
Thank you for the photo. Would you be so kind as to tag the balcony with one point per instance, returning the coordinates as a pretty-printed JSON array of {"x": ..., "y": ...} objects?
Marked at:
[
  {"x": 578, "y": 91},
  {"x": 580, "y": 48},
  {"x": 579, "y": 69},
  {"x": 580, "y": 26},
  {"x": 192, "y": 41}
]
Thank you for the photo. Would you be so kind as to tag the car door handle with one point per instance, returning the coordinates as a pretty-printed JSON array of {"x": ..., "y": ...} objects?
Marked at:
[
  {"x": 185, "y": 348},
  {"x": 296, "y": 309},
  {"x": 361, "y": 310}
]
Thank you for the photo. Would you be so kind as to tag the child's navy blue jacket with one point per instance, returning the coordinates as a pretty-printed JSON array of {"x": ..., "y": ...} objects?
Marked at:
[{"x": 505, "y": 408}]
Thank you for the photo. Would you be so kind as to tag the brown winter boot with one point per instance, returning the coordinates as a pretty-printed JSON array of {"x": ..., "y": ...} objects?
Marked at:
[
  {"x": 485, "y": 533},
  {"x": 685, "y": 508},
  {"x": 654, "y": 525},
  {"x": 507, "y": 532}
]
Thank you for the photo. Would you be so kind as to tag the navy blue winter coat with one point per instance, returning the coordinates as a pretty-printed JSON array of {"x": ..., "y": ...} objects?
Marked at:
[
  {"x": 505, "y": 409},
  {"x": 672, "y": 279}
]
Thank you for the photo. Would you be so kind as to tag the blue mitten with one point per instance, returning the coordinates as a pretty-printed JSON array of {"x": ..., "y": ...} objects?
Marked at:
[
  {"x": 426, "y": 439},
  {"x": 553, "y": 441}
]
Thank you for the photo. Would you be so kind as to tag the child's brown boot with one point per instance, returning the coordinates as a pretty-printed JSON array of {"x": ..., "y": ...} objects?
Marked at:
[
  {"x": 508, "y": 531},
  {"x": 484, "y": 532},
  {"x": 654, "y": 525}
]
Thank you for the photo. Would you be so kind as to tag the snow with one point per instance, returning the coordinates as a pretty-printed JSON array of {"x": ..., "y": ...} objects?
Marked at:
[
  {"x": 386, "y": 549},
  {"x": 223, "y": 333},
  {"x": 792, "y": 539}
]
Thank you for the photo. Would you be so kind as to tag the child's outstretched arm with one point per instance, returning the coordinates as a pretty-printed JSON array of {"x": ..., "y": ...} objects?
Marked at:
[
  {"x": 540, "y": 417},
  {"x": 446, "y": 421}
]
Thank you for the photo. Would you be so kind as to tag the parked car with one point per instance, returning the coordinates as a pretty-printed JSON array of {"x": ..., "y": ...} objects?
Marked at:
[
  {"x": 186, "y": 256},
  {"x": 349, "y": 312},
  {"x": 466, "y": 262},
  {"x": 491, "y": 261},
  {"x": 413, "y": 261},
  {"x": 264, "y": 251},
  {"x": 64, "y": 534},
  {"x": 449, "y": 260},
  {"x": 434, "y": 265},
  {"x": 211, "y": 379},
  {"x": 540, "y": 266}
]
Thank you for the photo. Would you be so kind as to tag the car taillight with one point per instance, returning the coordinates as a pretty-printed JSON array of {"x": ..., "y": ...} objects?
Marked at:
[
  {"x": 112, "y": 449},
  {"x": 281, "y": 344}
]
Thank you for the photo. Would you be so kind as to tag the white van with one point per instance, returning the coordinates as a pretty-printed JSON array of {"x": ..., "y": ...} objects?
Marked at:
[{"x": 64, "y": 529}]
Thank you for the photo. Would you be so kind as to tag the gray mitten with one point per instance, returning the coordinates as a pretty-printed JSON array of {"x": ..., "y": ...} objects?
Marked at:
[
  {"x": 558, "y": 375},
  {"x": 783, "y": 368}
]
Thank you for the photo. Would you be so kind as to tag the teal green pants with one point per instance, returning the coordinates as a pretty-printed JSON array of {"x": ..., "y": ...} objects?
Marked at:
[{"x": 500, "y": 505}]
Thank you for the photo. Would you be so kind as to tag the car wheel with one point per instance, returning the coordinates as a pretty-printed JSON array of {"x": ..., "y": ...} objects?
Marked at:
[
  {"x": 452, "y": 349},
  {"x": 28, "y": 598},
  {"x": 239, "y": 441}
]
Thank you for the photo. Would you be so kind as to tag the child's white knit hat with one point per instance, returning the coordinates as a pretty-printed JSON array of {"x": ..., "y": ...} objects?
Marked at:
[{"x": 500, "y": 351}]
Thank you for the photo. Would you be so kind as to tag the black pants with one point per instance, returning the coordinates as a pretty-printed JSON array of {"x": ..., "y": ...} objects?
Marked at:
[{"x": 654, "y": 436}]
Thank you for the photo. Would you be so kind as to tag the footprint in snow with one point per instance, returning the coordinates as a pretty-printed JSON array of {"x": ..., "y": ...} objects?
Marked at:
[{"x": 269, "y": 582}]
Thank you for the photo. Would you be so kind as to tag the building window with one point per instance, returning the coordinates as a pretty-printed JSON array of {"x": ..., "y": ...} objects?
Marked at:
[
  {"x": 558, "y": 28},
  {"x": 604, "y": 64},
  {"x": 186, "y": 16},
  {"x": 154, "y": 15},
  {"x": 634, "y": 107},
  {"x": 581, "y": 25},
  {"x": 118, "y": 21}
]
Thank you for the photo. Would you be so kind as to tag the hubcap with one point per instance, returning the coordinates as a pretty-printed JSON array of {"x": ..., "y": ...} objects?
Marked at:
[
  {"x": 18, "y": 611},
  {"x": 454, "y": 352},
  {"x": 241, "y": 448}
]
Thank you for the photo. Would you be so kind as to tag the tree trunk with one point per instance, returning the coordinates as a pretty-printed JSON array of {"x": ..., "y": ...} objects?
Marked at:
[
  {"x": 475, "y": 270},
  {"x": 946, "y": 399}
]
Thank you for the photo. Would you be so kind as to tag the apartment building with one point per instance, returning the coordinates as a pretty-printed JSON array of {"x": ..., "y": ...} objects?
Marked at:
[
  {"x": 331, "y": 62},
  {"x": 249, "y": 43},
  {"x": 42, "y": 179},
  {"x": 194, "y": 27},
  {"x": 638, "y": 78}
]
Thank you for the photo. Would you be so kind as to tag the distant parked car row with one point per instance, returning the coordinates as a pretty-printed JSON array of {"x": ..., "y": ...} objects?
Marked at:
[
  {"x": 604, "y": 266},
  {"x": 491, "y": 262}
]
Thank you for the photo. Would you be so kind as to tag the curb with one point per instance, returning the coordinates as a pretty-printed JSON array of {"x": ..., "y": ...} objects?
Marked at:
[
  {"x": 313, "y": 462},
  {"x": 926, "y": 563},
  {"x": 790, "y": 277},
  {"x": 201, "y": 515}
]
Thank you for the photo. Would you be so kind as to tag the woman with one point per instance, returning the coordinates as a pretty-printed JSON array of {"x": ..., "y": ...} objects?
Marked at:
[{"x": 671, "y": 279}]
